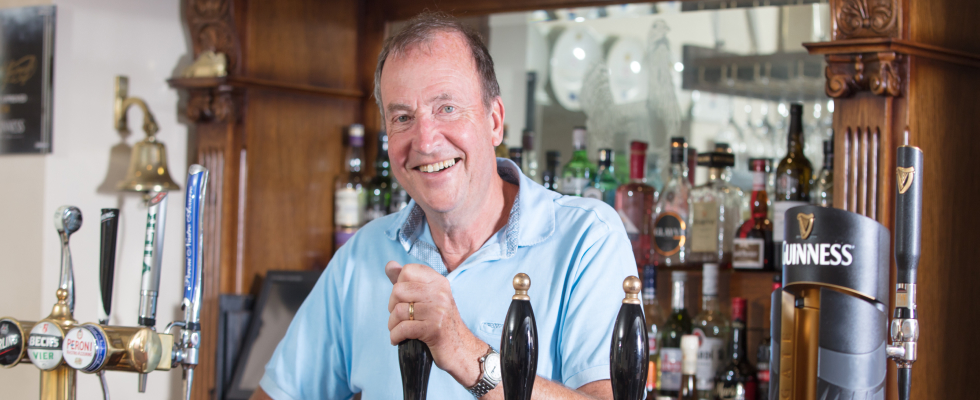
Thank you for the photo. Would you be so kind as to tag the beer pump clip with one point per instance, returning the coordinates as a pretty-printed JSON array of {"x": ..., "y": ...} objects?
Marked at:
[{"x": 186, "y": 350}]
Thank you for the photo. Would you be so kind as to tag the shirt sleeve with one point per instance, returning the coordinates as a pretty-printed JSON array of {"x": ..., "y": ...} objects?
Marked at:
[
  {"x": 594, "y": 301},
  {"x": 312, "y": 360}
]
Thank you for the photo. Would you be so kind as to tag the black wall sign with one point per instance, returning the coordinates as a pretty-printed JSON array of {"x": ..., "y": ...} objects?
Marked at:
[{"x": 26, "y": 58}]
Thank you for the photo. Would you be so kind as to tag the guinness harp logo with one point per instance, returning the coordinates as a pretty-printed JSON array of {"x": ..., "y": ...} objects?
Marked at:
[
  {"x": 905, "y": 178},
  {"x": 806, "y": 224}
]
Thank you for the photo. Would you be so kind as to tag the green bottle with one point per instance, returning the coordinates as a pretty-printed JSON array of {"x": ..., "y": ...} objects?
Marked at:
[
  {"x": 605, "y": 183},
  {"x": 677, "y": 325},
  {"x": 579, "y": 173}
]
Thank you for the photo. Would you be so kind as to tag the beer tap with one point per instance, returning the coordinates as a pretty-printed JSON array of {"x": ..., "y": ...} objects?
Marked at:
[
  {"x": 67, "y": 220},
  {"x": 188, "y": 346},
  {"x": 415, "y": 362},
  {"x": 519, "y": 344},
  {"x": 107, "y": 269},
  {"x": 156, "y": 218},
  {"x": 629, "y": 350},
  {"x": 908, "y": 228}
]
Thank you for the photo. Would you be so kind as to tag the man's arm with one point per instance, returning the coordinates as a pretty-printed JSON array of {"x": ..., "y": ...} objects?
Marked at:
[{"x": 546, "y": 389}]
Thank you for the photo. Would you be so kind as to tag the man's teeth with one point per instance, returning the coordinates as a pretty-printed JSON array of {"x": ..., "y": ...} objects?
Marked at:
[{"x": 438, "y": 166}]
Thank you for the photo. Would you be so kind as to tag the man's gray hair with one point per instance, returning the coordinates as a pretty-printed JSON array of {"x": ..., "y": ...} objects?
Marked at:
[{"x": 421, "y": 30}]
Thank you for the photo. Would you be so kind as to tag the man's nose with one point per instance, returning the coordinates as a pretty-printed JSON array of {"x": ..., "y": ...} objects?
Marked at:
[{"x": 429, "y": 137}]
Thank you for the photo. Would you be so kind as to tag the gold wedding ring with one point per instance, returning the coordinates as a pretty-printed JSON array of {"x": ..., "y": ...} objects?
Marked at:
[{"x": 411, "y": 311}]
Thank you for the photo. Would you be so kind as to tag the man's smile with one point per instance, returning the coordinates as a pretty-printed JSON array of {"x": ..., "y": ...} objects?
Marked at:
[{"x": 438, "y": 166}]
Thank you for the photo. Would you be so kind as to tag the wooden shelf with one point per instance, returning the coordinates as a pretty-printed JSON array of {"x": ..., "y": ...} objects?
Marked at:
[{"x": 266, "y": 84}]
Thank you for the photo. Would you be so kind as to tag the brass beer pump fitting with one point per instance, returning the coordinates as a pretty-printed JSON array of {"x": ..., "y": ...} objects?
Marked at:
[
  {"x": 522, "y": 283},
  {"x": 632, "y": 287}
]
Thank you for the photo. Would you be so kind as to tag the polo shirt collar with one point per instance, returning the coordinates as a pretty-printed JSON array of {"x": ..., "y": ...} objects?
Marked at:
[{"x": 531, "y": 221}]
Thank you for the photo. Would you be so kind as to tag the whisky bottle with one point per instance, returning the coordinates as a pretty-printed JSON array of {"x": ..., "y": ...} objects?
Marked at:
[
  {"x": 655, "y": 319},
  {"x": 793, "y": 176},
  {"x": 579, "y": 172},
  {"x": 670, "y": 216},
  {"x": 350, "y": 199},
  {"x": 730, "y": 189},
  {"x": 823, "y": 186},
  {"x": 379, "y": 189},
  {"x": 550, "y": 178},
  {"x": 603, "y": 186},
  {"x": 678, "y": 324},
  {"x": 689, "y": 365},
  {"x": 634, "y": 203},
  {"x": 715, "y": 213},
  {"x": 711, "y": 327},
  {"x": 752, "y": 247},
  {"x": 737, "y": 379}
]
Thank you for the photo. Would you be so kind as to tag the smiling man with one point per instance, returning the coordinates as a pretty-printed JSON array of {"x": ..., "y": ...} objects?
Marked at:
[{"x": 440, "y": 271}]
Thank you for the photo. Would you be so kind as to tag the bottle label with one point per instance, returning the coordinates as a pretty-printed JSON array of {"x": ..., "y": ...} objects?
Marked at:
[
  {"x": 84, "y": 348},
  {"x": 709, "y": 358},
  {"x": 787, "y": 185},
  {"x": 341, "y": 236},
  {"x": 704, "y": 227},
  {"x": 735, "y": 390},
  {"x": 763, "y": 376},
  {"x": 670, "y": 368},
  {"x": 651, "y": 376},
  {"x": 779, "y": 218},
  {"x": 573, "y": 186},
  {"x": 758, "y": 181},
  {"x": 748, "y": 253},
  {"x": 12, "y": 343},
  {"x": 347, "y": 206},
  {"x": 592, "y": 193},
  {"x": 669, "y": 235},
  {"x": 44, "y": 345}
]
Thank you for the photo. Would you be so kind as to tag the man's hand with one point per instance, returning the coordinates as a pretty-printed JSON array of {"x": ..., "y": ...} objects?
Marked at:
[{"x": 437, "y": 322}]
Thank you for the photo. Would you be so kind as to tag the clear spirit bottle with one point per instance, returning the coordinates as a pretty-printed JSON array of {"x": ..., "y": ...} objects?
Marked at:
[
  {"x": 604, "y": 185},
  {"x": 711, "y": 326},
  {"x": 715, "y": 213},
  {"x": 823, "y": 186},
  {"x": 670, "y": 216},
  {"x": 579, "y": 172}
]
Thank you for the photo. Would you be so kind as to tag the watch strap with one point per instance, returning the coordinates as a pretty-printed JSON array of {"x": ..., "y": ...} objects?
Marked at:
[{"x": 485, "y": 384}]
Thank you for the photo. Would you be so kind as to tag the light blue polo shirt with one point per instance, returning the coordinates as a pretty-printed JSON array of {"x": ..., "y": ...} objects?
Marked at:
[{"x": 575, "y": 250}]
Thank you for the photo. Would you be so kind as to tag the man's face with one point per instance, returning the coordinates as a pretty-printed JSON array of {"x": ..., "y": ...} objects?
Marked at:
[{"x": 440, "y": 134}]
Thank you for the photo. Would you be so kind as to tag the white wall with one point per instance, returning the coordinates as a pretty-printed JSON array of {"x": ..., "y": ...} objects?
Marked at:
[{"x": 96, "y": 40}]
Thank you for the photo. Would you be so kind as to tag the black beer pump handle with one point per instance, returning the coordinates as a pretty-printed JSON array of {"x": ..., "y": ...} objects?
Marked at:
[
  {"x": 904, "y": 383},
  {"x": 107, "y": 258},
  {"x": 908, "y": 213},
  {"x": 519, "y": 344},
  {"x": 629, "y": 350},
  {"x": 415, "y": 362}
]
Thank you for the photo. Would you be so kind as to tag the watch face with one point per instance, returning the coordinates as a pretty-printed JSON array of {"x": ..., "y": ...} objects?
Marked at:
[{"x": 492, "y": 367}]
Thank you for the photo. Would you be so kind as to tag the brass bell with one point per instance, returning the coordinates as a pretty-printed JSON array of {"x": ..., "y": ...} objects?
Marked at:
[{"x": 148, "y": 169}]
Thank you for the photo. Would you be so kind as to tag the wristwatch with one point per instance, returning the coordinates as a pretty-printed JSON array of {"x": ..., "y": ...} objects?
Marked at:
[{"x": 490, "y": 366}]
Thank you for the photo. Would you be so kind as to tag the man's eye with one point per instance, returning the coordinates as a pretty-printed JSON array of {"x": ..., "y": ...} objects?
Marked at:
[
  {"x": 401, "y": 118},
  {"x": 448, "y": 109}
]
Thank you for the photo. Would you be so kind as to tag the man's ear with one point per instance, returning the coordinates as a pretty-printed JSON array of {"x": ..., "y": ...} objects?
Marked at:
[{"x": 497, "y": 121}]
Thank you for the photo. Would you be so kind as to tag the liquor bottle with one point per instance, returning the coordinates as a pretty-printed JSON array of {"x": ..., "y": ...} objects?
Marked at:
[
  {"x": 621, "y": 158},
  {"x": 634, "y": 203},
  {"x": 501, "y": 149},
  {"x": 689, "y": 366},
  {"x": 517, "y": 156},
  {"x": 379, "y": 189},
  {"x": 603, "y": 187},
  {"x": 715, "y": 213},
  {"x": 579, "y": 172},
  {"x": 677, "y": 325},
  {"x": 764, "y": 354},
  {"x": 792, "y": 181},
  {"x": 530, "y": 166},
  {"x": 711, "y": 327},
  {"x": 670, "y": 216},
  {"x": 823, "y": 186},
  {"x": 730, "y": 188},
  {"x": 737, "y": 379},
  {"x": 350, "y": 199},
  {"x": 399, "y": 197},
  {"x": 752, "y": 247},
  {"x": 692, "y": 163},
  {"x": 654, "y": 175},
  {"x": 655, "y": 319},
  {"x": 550, "y": 177}
]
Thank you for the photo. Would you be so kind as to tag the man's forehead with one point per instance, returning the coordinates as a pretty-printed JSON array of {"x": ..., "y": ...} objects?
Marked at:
[{"x": 453, "y": 43}]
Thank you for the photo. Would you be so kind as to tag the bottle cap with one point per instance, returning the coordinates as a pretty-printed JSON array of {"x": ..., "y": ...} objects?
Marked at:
[
  {"x": 796, "y": 109},
  {"x": 678, "y": 150},
  {"x": 689, "y": 354},
  {"x": 777, "y": 282},
  {"x": 709, "y": 282},
  {"x": 605, "y": 156},
  {"x": 738, "y": 308},
  {"x": 722, "y": 147},
  {"x": 355, "y": 134},
  {"x": 527, "y": 140},
  {"x": 760, "y": 164},
  {"x": 678, "y": 276},
  {"x": 716, "y": 160}
]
